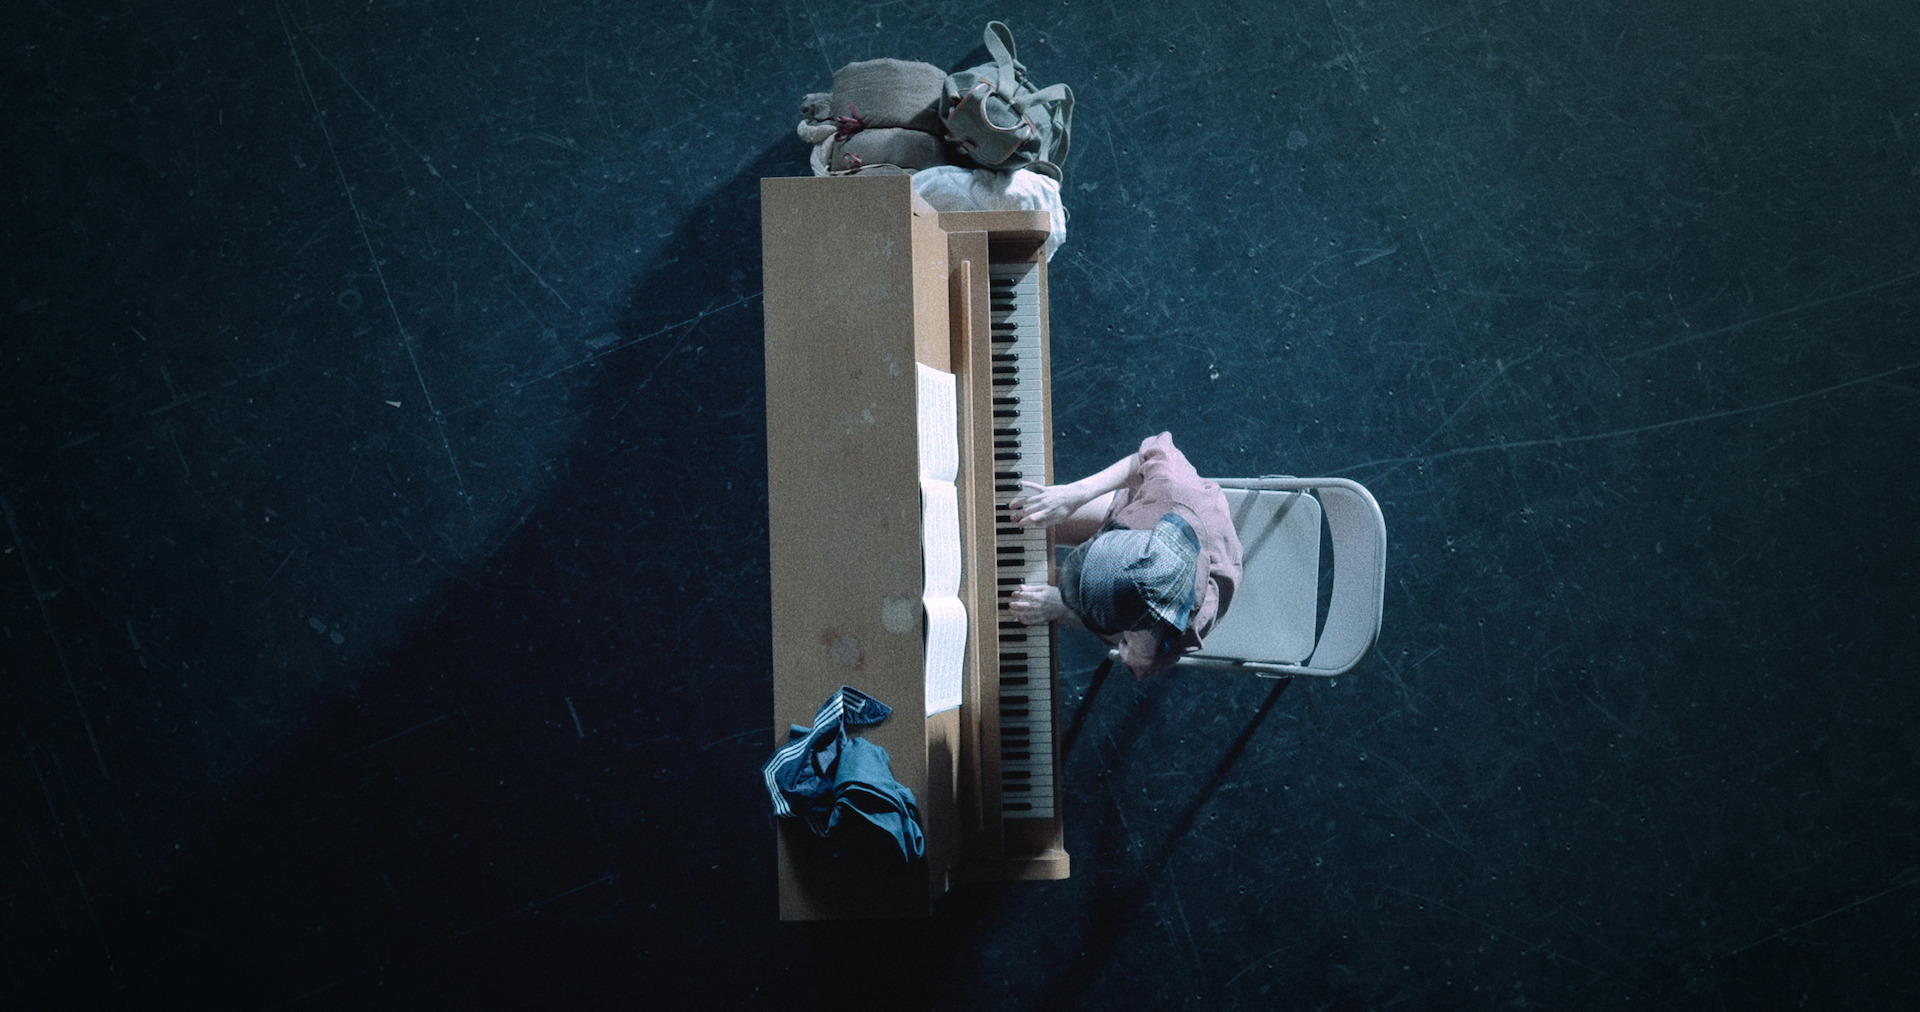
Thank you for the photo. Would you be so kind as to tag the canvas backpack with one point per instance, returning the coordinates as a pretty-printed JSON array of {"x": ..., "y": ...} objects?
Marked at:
[{"x": 997, "y": 119}]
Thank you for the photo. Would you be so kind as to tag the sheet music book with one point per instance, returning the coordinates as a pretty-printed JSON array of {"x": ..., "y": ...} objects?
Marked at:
[{"x": 939, "y": 422}]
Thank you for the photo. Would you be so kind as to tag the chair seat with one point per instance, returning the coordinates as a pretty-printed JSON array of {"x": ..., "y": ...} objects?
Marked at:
[
  {"x": 1277, "y": 623},
  {"x": 1276, "y": 604}
]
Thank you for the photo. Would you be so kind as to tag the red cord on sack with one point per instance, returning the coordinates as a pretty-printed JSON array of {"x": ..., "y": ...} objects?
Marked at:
[{"x": 850, "y": 124}]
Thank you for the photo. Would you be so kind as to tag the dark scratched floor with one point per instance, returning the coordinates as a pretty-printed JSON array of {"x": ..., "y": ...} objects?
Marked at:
[{"x": 382, "y": 594}]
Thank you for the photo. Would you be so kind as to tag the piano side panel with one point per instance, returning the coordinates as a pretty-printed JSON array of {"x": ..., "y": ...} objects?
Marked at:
[
  {"x": 972, "y": 361},
  {"x": 938, "y": 801},
  {"x": 933, "y": 335},
  {"x": 842, "y": 329}
]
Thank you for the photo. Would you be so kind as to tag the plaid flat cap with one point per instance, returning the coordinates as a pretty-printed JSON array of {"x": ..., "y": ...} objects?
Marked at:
[{"x": 1123, "y": 580}]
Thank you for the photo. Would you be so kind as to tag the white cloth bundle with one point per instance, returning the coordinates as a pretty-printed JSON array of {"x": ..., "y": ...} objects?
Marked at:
[{"x": 956, "y": 188}]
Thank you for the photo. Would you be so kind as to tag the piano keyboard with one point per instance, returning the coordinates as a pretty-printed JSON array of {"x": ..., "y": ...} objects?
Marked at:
[{"x": 1020, "y": 447}]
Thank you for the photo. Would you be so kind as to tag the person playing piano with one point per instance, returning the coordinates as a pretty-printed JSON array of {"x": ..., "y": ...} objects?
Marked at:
[{"x": 1154, "y": 561}]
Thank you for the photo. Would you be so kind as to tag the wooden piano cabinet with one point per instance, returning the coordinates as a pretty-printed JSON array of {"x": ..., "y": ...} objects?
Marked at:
[
  {"x": 861, "y": 283},
  {"x": 856, "y": 293}
]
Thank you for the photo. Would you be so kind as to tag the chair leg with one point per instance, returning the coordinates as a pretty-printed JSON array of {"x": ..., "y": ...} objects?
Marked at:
[{"x": 1086, "y": 706}]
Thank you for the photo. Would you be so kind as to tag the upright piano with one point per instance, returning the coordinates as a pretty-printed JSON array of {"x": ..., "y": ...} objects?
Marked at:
[{"x": 865, "y": 285}]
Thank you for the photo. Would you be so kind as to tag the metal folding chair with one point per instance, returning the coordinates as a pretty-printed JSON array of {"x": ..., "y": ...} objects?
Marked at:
[{"x": 1273, "y": 627}]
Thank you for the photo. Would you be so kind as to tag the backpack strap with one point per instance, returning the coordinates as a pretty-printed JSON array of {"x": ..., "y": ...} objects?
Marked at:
[
  {"x": 1062, "y": 122},
  {"x": 999, "y": 40},
  {"x": 1045, "y": 96}
]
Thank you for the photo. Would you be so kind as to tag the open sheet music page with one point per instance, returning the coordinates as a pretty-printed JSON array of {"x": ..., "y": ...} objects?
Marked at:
[{"x": 940, "y": 537}]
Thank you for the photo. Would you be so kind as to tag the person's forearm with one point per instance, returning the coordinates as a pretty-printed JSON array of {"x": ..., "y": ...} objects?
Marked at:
[
  {"x": 1048, "y": 505},
  {"x": 1112, "y": 479}
]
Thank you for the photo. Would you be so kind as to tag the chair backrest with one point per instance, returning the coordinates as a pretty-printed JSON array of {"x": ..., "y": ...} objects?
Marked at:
[{"x": 1270, "y": 625}]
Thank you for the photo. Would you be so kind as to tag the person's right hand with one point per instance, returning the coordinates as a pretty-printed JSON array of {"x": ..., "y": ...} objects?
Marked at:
[
  {"x": 1037, "y": 604},
  {"x": 1045, "y": 505}
]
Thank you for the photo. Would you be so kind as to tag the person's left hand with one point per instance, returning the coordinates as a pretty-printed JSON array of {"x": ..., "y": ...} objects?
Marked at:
[
  {"x": 1037, "y": 603},
  {"x": 1045, "y": 505}
]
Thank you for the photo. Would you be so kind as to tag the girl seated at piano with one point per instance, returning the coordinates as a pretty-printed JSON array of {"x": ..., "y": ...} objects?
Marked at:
[{"x": 1154, "y": 560}]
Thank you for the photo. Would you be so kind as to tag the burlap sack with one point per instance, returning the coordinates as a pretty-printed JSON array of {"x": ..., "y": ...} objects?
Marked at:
[
  {"x": 909, "y": 149},
  {"x": 890, "y": 93},
  {"x": 817, "y": 107}
]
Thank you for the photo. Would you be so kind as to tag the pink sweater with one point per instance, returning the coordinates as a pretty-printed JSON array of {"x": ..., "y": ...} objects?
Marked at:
[{"x": 1166, "y": 483}]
